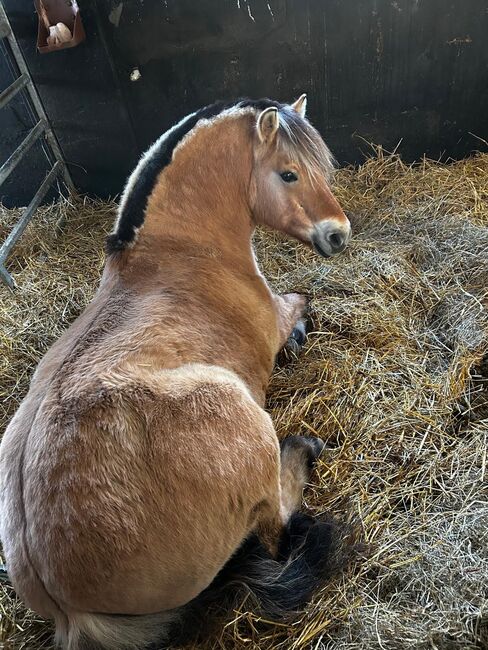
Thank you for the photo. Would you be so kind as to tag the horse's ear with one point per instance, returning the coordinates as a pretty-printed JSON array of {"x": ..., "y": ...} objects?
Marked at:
[
  {"x": 300, "y": 106},
  {"x": 268, "y": 124}
]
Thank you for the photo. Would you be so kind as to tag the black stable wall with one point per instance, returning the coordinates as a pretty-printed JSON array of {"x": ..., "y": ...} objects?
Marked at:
[{"x": 411, "y": 75}]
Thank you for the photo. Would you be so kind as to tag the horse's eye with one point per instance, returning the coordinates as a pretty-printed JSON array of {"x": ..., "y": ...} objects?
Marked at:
[{"x": 289, "y": 177}]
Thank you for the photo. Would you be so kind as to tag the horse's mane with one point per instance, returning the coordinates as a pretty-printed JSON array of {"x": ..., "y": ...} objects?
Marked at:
[{"x": 296, "y": 136}]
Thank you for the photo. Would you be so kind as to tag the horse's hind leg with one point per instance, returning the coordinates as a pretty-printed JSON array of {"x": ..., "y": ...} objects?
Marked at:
[{"x": 298, "y": 455}]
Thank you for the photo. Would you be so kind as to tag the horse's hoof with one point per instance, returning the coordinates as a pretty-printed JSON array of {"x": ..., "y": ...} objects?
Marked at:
[
  {"x": 298, "y": 337},
  {"x": 316, "y": 446},
  {"x": 313, "y": 447}
]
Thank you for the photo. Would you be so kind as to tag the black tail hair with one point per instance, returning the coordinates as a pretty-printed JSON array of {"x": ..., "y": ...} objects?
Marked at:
[{"x": 277, "y": 588}]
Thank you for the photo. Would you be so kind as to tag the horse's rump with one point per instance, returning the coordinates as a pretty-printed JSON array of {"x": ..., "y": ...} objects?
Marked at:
[{"x": 115, "y": 495}]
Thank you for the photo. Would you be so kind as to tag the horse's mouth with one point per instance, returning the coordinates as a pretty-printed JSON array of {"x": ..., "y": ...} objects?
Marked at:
[{"x": 319, "y": 249}]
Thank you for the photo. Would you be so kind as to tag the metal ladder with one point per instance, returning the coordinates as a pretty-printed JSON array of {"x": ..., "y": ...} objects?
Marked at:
[{"x": 41, "y": 129}]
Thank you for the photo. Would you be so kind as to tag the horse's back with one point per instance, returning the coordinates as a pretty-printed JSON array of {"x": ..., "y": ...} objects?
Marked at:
[{"x": 136, "y": 491}]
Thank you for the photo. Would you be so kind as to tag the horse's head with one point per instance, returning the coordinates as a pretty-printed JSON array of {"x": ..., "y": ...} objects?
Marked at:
[{"x": 290, "y": 188}]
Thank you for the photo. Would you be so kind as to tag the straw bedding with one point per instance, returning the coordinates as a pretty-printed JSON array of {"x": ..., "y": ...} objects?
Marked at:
[{"x": 394, "y": 377}]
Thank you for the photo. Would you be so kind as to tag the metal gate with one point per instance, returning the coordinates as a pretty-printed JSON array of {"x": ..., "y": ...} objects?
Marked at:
[{"x": 42, "y": 129}]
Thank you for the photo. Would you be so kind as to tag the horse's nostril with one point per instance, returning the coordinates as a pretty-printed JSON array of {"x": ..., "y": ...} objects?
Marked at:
[{"x": 336, "y": 240}]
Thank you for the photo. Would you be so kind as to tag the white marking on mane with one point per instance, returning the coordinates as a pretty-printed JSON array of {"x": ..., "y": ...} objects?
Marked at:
[{"x": 233, "y": 112}]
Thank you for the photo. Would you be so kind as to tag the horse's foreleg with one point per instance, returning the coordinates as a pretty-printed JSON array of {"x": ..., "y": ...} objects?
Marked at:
[
  {"x": 291, "y": 307},
  {"x": 298, "y": 455}
]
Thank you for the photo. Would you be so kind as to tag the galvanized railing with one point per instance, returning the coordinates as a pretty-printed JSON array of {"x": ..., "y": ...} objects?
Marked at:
[{"x": 41, "y": 130}]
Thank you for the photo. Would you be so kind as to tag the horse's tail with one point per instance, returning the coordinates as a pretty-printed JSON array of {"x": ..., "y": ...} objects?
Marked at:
[
  {"x": 311, "y": 550},
  {"x": 274, "y": 588}
]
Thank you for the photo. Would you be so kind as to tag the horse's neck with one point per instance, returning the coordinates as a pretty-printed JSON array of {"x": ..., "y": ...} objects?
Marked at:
[{"x": 201, "y": 199}]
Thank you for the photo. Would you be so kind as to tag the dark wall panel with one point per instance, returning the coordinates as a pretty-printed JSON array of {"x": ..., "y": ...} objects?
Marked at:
[{"x": 406, "y": 74}]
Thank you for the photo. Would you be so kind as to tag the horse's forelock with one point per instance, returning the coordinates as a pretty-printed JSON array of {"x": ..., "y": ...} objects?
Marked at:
[
  {"x": 302, "y": 143},
  {"x": 297, "y": 137}
]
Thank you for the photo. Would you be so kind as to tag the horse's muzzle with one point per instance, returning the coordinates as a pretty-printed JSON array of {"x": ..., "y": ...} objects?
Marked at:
[{"x": 330, "y": 239}]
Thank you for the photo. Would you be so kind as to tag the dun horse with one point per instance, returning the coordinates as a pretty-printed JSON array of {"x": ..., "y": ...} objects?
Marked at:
[{"x": 142, "y": 459}]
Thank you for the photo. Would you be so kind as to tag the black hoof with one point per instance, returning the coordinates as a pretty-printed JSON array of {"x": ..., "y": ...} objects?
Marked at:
[
  {"x": 313, "y": 447},
  {"x": 316, "y": 447},
  {"x": 298, "y": 337}
]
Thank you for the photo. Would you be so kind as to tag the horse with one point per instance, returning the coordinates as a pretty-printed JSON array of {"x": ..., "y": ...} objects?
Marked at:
[{"x": 142, "y": 460}]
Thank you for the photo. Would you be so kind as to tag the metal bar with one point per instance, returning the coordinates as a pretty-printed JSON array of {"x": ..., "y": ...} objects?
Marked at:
[
  {"x": 9, "y": 93},
  {"x": 4, "y": 28},
  {"x": 9, "y": 165},
  {"x": 21, "y": 224},
  {"x": 36, "y": 100},
  {"x": 9, "y": 58},
  {"x": 6, "y": 278}
]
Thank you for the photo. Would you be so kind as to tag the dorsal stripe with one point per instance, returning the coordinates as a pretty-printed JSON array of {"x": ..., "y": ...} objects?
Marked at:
[{"x": 131, "y": 215}]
